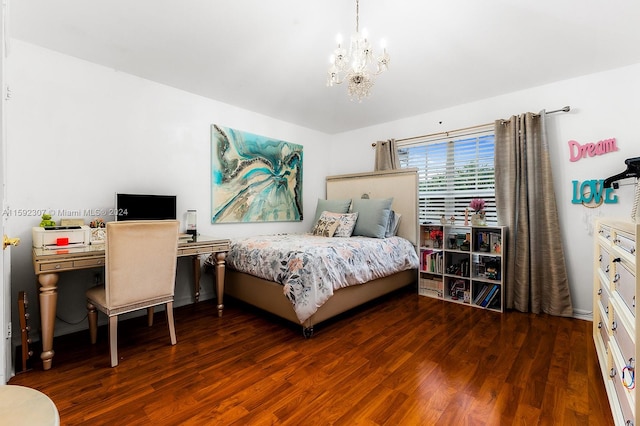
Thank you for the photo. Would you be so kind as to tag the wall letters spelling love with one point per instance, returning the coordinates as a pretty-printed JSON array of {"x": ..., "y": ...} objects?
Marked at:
[
  {"x": 591, "y": 193},
  {"x": 577, "y": 151}
]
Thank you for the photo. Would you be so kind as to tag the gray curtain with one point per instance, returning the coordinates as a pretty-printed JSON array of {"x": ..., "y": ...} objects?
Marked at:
[
  {"x": 386, "y": 155},
  {"x": 536, "y": 276}
]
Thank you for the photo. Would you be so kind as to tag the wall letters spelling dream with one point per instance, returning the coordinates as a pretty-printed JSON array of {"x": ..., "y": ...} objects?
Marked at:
[{"x": 577, "y": 151}]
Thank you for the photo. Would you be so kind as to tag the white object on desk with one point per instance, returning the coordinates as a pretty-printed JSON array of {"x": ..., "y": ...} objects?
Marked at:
[
  {"x": 20, "y": 405},
  {"x": 49, "y": 237}
]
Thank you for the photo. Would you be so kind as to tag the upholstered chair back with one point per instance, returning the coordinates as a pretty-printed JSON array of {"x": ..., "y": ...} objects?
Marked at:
[{"x": 141, "y": 261}]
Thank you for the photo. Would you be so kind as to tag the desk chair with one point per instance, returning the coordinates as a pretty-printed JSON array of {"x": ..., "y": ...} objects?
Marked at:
[{"x": 140, "y": 272}]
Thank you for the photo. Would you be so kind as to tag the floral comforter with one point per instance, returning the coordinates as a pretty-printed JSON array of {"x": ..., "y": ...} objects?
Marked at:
[{"x": 311, "y": 267}]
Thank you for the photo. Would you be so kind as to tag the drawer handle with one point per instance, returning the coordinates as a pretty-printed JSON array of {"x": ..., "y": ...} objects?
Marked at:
[
  {"x": 58, "y": 266},
  {"x": 614, "y": 325},
  {"x": 599, "y": 291},
  {"x": 612, "y": 373},
  {"x": 632, "y": 250},
  {"x": 600, "y": 258},
  {"x": 607, "y": 310},
  {"x": 616, "y": 278},
  {"x": 617, "y": 259},
  {"x": 629, "y": 423},
  {"x": 607, "y": 269},
  {"x": 629, "y": 375},
  {"x": 634, "y": 302},
  {"x": 600, "y": 324}
]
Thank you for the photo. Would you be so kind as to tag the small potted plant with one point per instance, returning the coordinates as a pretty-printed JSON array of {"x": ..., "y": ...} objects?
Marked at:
[
  {"x": 436, "y": 237},
  {"x": 477, "y": 218}
]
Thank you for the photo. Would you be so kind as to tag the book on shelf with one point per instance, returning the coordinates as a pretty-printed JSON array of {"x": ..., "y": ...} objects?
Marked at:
[
  {"x": 494, "y": 288},
  {"x": 495, "y": 242},
  {"x": 431, "y": 261},
  {"x": 494, "y": 302},
  {"x": 481, "y": 294}
]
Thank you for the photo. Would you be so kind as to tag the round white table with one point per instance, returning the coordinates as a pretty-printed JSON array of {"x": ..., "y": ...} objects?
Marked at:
[{"x": 20, "y": 405}]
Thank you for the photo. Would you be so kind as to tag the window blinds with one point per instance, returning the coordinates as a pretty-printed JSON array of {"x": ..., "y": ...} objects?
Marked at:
[{"x": 452, "y": 170}]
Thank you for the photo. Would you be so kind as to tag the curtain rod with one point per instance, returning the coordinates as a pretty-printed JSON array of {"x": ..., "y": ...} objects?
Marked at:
[{"x": 564, "y": 109}]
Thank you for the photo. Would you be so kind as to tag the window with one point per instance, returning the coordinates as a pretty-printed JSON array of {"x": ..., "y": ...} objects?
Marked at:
[{"x": 452, "y": 170}]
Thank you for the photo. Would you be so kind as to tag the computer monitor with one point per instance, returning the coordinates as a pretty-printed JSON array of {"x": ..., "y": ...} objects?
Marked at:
[{"x": 145, "y": 207}]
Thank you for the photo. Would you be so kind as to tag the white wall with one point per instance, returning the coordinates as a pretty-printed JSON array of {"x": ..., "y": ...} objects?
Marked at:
[
  {"x": 79, "y": 132},
  {"x": 603, "y": 105}
]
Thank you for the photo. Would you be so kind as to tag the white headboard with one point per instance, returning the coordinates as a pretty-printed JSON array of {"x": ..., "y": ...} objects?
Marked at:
[{"x": 401, "y": 184}]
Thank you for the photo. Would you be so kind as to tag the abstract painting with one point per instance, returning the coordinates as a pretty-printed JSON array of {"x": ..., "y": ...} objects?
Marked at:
[{"x": 254, "y": 178}]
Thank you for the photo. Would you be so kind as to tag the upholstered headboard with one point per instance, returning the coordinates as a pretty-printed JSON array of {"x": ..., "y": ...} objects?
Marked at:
[{"x": 400, "y": 184}]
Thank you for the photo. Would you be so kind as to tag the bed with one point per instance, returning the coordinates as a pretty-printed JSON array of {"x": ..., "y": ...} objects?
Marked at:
[{"x": 279, "y": 298}]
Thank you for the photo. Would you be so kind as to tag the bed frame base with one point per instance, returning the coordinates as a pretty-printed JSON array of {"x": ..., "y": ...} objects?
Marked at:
[{"x": 269, "y": 296}]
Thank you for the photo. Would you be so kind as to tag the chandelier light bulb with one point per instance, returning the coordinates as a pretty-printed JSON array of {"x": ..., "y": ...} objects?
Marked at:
[{"x": 359, "y": 64}]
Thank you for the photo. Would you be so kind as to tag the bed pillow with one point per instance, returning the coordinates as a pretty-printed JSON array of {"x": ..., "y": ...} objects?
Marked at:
[
  {"x": 373, "y": 216},
  {"x": 334, "y": 206},
  {"x": 346, "y": 223},
  {"x": 393, "y": 224},
  {"x": 326, "y": 225}
]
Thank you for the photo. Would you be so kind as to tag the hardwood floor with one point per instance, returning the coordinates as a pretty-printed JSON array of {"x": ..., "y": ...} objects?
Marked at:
[{"x": 406, "y": 360}]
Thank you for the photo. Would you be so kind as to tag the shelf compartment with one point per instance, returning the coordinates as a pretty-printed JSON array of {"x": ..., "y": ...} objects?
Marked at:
[
  {"x": 458, "y": 289},
  {"x": 457, "y": 264}
]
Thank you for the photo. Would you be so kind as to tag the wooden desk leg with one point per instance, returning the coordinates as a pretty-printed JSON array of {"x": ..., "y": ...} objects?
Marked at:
[
  {"x": 48, "y": 298},
  {"x": 196, "y": 276},
  {"x": 220, "y": 280}
]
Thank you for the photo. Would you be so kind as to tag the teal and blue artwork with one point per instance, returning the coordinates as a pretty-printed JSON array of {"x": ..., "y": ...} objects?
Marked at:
[{"x": 254, "y": 178}]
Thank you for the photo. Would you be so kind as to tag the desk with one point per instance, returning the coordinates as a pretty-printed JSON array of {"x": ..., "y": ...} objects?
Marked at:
[{"x": 47, "y": 264}]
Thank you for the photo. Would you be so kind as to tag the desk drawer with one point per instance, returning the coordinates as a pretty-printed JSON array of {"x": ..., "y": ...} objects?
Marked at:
[
  {"x": 88, "y": 263},
  {"x": 194, "y": 251},
  {"x": 59, "y": 266}
]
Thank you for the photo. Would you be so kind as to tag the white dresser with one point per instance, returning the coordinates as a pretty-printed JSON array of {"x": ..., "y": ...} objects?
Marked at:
[{"x": 614, "y": 314}]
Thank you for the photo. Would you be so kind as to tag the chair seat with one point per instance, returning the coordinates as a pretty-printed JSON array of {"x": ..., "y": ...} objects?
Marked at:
[{"x": 98, "y": 296}]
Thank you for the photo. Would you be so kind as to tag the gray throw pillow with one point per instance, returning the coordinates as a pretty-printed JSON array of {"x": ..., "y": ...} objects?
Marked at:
[{"x": 373, "y": 216}]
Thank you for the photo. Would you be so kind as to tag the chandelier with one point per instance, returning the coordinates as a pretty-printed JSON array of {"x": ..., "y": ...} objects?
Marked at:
[{"x": 357, "y": 67}]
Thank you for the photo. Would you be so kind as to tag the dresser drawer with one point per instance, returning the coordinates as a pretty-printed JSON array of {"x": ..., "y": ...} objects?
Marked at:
[
  {"x": 622, "y": 336},
  {"x": 602, "y": 293},
  {"x": 601, "y": 320},
  {"x": 625, "y": 242},
  {"x": 624, "y": 396},
  {"x": 625, "y": 285},
  {"x": 605, "y": 232},
  {"x": 604, "y": 260}
]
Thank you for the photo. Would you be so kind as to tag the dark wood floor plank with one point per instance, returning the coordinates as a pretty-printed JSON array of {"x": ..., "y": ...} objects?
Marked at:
[{"x": 403, "y": 360}]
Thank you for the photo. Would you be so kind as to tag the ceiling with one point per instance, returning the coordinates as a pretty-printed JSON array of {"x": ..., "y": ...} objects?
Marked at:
[{"x": 271, "y": 56}]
